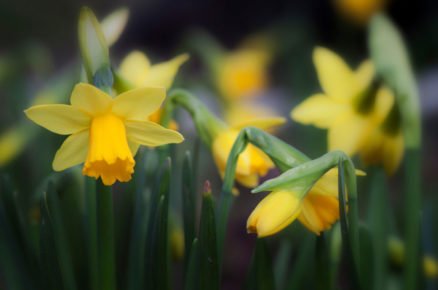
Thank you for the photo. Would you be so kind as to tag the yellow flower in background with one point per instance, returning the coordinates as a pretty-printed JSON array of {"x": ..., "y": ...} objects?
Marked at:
[
  {"x": 317, "y": 210},
  {"x": 105, "y": 133},
  {"x": 242, "y": 73},
  {"x": 252, "y": 163},
  {"x": 248, "y": 111},
  {"x": 353, "y": 109},
  {"x": 136, "y": 68},
  {"x": 359, "y": 11}
]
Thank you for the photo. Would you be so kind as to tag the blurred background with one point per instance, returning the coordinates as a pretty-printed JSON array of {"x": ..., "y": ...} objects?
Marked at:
[{"x": 39, "y": 44}]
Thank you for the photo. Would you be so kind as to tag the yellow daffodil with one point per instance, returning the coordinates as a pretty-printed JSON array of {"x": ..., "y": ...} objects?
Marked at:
[
  {"x": 359, "y": 11},
  {"x": 242, "y": 73},
  {"x": 138, "y": 71},
  {"x": 105, "y": 133},
  {"x": 252, "y": 162},
  {"x": 353, "y": 109},
  {"x": 248, "y": 111},
  {"x": 317, "y": 209}
]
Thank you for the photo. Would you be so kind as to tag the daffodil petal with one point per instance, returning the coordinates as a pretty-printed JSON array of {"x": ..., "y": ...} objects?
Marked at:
[
  {"x": 138, "y": 104},
  {"x": 133, "y": 146},
  {"x": 385, "y": 99},
  {"x": 336, "y": 78},
  {"x": 350, "y": 134},
  {"x": 261, "y": 123},
  {"x": 276, "y": 211},
  {"x": 90, "y": 99},
  {"x": 135, "y": 67},
  {"x": 365, "y": 73},
  {"x": 163, "y": 74},
  {"x": 319, "y": 110},
  {"x": 60, "y": 119},
  {"x": 393, "y": 152},
  {"x": 72, "y": 152},
  {"x": 151, "y": 134}
]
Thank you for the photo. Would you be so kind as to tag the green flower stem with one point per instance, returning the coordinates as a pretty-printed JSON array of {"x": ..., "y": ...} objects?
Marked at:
[
  {"x": 207, "y": 125},
  {"x": 106, "y": 244},
  {"x": 413, "y": 220}
]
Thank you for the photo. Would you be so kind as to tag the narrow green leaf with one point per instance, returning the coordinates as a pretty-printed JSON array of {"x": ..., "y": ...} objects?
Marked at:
[
  {"x": 367, "y": 258},
  {"x": 281, "y": 263},
  {"x": 303, "y": 265},
  {"x": 61, "y": 243},
  {"x": 261, "y": 275},
  {"x": 347, "y": 237},
  {"x": 189, "y": 204},
  {"x": 209, "y": 267},
  {"x": 378, "y": 219},
  {"x": 323, "y": 278},
  {"x": 137, "y": 242},
  {"x": 191, "y": 279},
  {"x": 105, "y": 240}
]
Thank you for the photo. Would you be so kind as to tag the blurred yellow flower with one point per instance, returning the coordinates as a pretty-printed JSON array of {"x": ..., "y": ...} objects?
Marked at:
[
  {"x": 242, "y": 73},
  {"x": 354, "y": 110},
  {"x": 317, "y": 209},
  {"x": 252, "y": 162},
  {"x": 138, "y": 71},
  {"x": 105, "y": 133},
  {"x": 248, "y": 111},
  {"x": 359, "y": 11}
]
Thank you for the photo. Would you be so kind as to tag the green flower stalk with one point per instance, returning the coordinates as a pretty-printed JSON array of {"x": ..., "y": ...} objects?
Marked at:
[{"x": 389, "y": 54}]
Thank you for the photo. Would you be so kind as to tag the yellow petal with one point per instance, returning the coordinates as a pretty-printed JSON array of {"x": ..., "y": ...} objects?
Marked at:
[
  {"x": 365, "y": 73},
  {"x": 134, "y": 67},
  {"x": 151, "y": 134},
  {"x": 261, "y": 123},
  {"x": 335, "y": 77},
  {"x": 90, "y": 99},
  {"x": 250, "y": 180},
  {"x": 60, "y": 119},
  {"x": 393, "y": 152},
  {"x": 350, "y": 134},
  {"x": 72, "y": 152},
  {"x": 319, "y": 212},
  {"x": 385, "y": 99},
  {"x": 319, "y": 110},
  {"x": 133, "y": 147},
  {"x": 163, "y": 74},
  {"x": 138, "y": 104},
  {"x": 276, "y": 211}
]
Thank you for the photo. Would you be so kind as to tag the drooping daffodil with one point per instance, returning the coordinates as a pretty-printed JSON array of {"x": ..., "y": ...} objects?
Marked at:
[
  {"x": 355, "y": 109},
  {"x": 317, "y": 207},
  {"x": 105, "y": 132},
  {"x": 137, "y": 70}
]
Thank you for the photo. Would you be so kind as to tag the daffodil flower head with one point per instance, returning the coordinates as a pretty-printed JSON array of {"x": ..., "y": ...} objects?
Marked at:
[
  {"x": 308, "y": 192},
  {"x": 242, "y": 73},
  {"x": 105, "y": 132},
  {"x": 352, "y": 108},
  {"x": 252, "y": 163},
  {"x": 317, "y": 207}
]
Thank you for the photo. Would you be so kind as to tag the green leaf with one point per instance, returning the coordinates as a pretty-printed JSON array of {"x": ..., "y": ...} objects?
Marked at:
[
  {"x": 191, "y": 279},
  {"x": 189, "y": 204},
  {"x": 61, "y": 243},
  {"x": 139, "y": 228},
  {"x": 209, "y": 267},
  {"x": 281, "y": 263},
  {"x": 378, "y": 220},
  {"x": 261, "y": 275},
  {"x": 90, "y": 224},
  {"x": 303, "y": 265}
]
